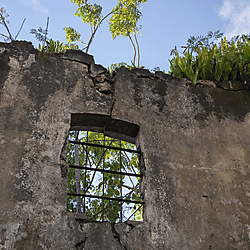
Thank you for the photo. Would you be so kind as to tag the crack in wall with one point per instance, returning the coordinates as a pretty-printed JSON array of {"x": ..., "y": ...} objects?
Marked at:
[
  {"x": 63, "y": 159},
  {"x": 117, "y": 235},
  {"x": 114, "y": 232},
  {"x": 72, "y": 60},
  {"x": 80, "y": 245},
  {"x": 112, "y": 106},
  {"x": 81, "y": 222},
  {"x": 232, "y": 90}
]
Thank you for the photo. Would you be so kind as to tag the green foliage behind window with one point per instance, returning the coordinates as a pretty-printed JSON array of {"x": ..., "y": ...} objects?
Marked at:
[{"x": 104, "y": 184}]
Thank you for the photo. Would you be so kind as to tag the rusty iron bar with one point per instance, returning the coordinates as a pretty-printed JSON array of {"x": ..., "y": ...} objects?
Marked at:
[
  {"x": 103, "y": 173},
  {"x": 101, "y": 211},
  {"x": 85, "y": 172},
  {"x": 106, "y": 208},
  {"x": 106, "y": 198},
  {"x": 106, "y": 171},
  {"x": 120, "y": 144},
  {"x": 109, "y": 147}
]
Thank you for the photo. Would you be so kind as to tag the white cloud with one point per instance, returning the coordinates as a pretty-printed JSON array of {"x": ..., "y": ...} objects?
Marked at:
[
  {"x": 226, "y": 10},
  {"x": 36, "y": 4},
  {"x": 237, "y": 14}
]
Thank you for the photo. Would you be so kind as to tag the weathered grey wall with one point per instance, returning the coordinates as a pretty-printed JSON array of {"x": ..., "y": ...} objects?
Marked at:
[{"x": 195, "y": 143}]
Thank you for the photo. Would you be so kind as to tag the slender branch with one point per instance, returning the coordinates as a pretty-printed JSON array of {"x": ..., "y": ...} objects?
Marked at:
[
  {"x": 90, "y": 40},
  {"x": 85, "y": 48},
  {"x": 6, "y": 27},
  {"x": 82, "y": 42},
  {"x": 46, "y": 32},
  {"x": 4, "y": 36},
  {"x": 133, "y": 48},
  {"x": 20, "y": 28},
  {"x": 138, "y": 50},
  {"x": 95, "y": 29}
]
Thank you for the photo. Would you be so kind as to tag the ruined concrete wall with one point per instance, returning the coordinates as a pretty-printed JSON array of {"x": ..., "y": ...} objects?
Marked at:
[{"x": 195, "y": 143}]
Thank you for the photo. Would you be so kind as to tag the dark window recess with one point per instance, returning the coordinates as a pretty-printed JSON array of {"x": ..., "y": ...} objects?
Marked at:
[{"x": 103, "y": 178}]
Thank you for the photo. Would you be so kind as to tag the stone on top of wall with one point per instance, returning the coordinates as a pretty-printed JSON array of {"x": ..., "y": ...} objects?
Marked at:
[{"x": 76, "y": 55}]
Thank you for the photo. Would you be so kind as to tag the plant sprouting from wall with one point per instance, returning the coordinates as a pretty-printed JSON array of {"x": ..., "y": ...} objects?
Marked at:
[
  {"x": 206, "y": 41},
  {"x": 115, "y": 66},
  {"x": 3, "y": 21},
  {"x": 48, "y": 44},
  {"x": 228, "y": 60}
]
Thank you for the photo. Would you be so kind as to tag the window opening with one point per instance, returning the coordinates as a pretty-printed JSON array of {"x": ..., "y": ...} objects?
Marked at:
[{"x": 104, "y": 177}]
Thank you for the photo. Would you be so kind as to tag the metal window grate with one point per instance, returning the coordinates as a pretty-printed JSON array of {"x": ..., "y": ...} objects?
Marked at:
[{"x": 104, "y": 177}]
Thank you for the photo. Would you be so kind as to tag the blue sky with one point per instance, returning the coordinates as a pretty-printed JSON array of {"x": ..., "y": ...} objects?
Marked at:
[{"x": 165, "y": 24}]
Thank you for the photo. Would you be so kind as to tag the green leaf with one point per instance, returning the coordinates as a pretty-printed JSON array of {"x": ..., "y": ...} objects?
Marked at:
[
  {"x": 72, "y": 35},
  {"x": 90, "y": 13}
]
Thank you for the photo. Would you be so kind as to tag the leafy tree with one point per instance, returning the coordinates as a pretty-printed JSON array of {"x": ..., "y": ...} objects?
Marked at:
[
  {"x": 99, "y": 184},
  {"x": 122, "y": 22}
]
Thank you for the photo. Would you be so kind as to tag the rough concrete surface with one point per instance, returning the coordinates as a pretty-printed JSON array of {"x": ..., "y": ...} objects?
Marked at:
[{"x": 195, "y": 143}]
